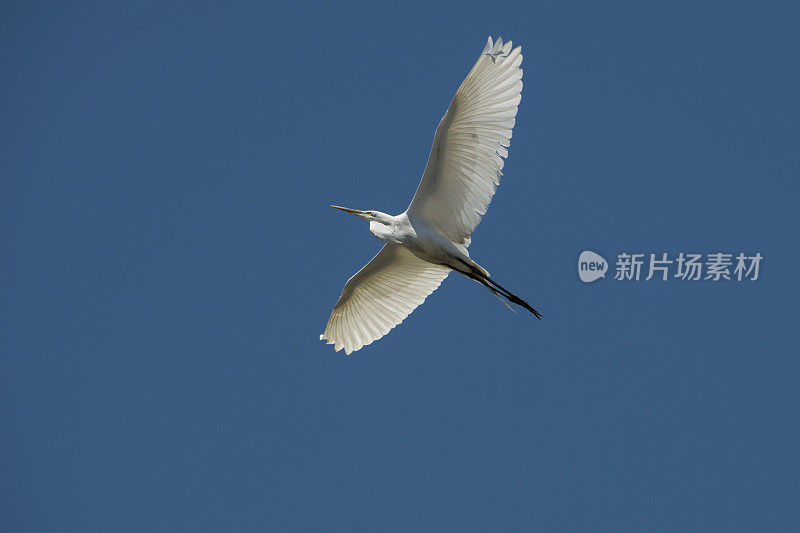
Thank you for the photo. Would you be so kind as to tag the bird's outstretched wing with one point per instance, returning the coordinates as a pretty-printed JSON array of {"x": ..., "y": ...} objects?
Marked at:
[
  {"x": 471, "y": 141},
  {"x": 380, "y": 296}
]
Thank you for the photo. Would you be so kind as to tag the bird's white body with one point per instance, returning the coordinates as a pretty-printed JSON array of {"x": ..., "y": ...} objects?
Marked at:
[
  {"x": 430, "y": 239},
  {"x": 419, "y": 238}
]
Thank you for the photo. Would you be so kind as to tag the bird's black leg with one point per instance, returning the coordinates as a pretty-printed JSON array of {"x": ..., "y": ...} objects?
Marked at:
[
  {"x": 515, "y": 299},
  {"x": 497, "y": 289}
]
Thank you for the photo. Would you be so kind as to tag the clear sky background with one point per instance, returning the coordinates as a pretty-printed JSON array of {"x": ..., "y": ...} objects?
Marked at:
[{"x": 169, "y": 260}]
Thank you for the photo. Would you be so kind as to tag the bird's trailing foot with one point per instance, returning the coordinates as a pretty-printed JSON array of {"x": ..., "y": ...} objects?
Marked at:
[
  {"x": 515, "y": 299},
  {"x": 500, "y": 291}
]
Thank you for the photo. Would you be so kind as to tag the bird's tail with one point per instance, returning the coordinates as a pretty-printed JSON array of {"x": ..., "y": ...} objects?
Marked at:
[{"x": 480, "y": 275}]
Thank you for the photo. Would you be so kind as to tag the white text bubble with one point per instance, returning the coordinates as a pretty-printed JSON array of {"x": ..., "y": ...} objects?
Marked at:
[{"x": 591, "y": 266}]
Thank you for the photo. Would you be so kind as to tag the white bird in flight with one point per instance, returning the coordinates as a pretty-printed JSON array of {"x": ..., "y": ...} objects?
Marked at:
[{"x": 430, "y": 239}]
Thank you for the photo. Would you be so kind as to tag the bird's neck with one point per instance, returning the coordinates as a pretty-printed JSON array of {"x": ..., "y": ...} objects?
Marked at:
[{"x": 388, "y": 233}]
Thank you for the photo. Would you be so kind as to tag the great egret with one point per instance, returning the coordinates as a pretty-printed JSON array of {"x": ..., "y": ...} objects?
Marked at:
[{"x": 429, "y": 239}]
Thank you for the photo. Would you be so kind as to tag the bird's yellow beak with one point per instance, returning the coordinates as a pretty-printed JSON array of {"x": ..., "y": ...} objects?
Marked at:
[{"x": 348, "y": 210}]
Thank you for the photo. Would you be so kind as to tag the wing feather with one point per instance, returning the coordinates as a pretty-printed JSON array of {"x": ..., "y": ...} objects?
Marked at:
[
  {"x": 380, "y": 296},
  {"x": 471, "y": 141}
]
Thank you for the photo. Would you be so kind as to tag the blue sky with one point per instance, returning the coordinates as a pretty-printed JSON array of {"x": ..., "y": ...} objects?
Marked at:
[{"x": 169, "y": 260}]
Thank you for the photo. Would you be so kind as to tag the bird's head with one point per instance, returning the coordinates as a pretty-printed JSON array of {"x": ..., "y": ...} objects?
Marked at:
[{"x": 372, "y": 216}]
